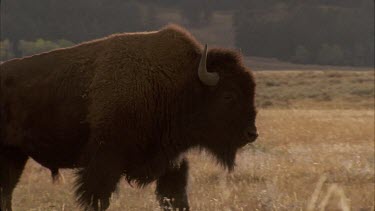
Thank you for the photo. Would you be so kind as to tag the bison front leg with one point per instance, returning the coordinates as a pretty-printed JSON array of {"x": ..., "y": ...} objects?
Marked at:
[
  {"x": 12, "y": 163},
  {"x": 98, "y": 180},
  {"x": 171, "y": 188}
]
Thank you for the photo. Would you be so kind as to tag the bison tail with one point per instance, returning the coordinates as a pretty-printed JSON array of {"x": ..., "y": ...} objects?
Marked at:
[
  {"x": 56, "y": 176},
  {"x": 1, "y": 127}
]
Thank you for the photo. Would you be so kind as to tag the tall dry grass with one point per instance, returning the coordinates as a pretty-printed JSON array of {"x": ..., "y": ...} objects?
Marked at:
[
  {"x": 279, "y": 172},
  {"x": 315, "y": 89},
  {"x": 309, "y": 158}
]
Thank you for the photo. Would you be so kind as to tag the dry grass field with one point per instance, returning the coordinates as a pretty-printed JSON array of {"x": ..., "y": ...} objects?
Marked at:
[
  {"x": 315, "y": 152},
  {"x": 316, "y": 89}
]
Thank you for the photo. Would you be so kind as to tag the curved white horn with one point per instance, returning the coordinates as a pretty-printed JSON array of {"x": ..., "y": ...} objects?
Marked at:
[{"x": 207, "y": 78}]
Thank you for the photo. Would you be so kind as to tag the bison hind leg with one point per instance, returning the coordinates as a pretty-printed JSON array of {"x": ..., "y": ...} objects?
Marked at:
[{"x": 12, "y": 163}]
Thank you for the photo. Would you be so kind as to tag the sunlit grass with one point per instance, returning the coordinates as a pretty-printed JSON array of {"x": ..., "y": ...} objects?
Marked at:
[
  {"x": 315, "y": 89},
  {"x": 296, "y": 149},
  {"x": 278, "y": 172}
]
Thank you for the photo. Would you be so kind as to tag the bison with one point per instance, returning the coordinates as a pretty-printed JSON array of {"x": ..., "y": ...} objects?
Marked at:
[{"x": 128, "y": 105}]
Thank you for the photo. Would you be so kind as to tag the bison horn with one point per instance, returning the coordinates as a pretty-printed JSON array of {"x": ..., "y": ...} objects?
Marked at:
[{"x": 207, "y": 78}]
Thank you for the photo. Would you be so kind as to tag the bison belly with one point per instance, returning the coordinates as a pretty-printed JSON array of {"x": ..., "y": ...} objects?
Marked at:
[
  {"x": 52, "y": 133},
  {"x": 56, "y": 141}
]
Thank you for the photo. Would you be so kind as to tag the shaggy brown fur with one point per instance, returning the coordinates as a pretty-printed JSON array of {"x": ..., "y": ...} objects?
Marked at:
[{"x": 126, "y": 105}]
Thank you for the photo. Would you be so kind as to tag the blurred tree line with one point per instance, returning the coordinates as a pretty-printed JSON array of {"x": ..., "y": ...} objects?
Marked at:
[
  {"x": 337, "y": 32},
  {"x": 71, "y": 20},
  {"x": 331, "y": 32}
]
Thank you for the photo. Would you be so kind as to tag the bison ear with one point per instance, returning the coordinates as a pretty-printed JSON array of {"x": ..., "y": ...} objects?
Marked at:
[{"x": 207, "y": 78}]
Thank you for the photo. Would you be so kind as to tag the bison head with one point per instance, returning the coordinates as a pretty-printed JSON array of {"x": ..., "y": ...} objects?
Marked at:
[{"x": 227, "y": 117}]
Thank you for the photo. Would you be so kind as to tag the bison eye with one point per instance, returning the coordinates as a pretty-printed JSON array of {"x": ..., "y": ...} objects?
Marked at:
[{"x": 229, "y": 96}]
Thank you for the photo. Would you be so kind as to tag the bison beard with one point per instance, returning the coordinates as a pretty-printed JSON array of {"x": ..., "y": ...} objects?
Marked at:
[
  {"x": 225, "y": 157},
  {"x": 129, "y": 105}
]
